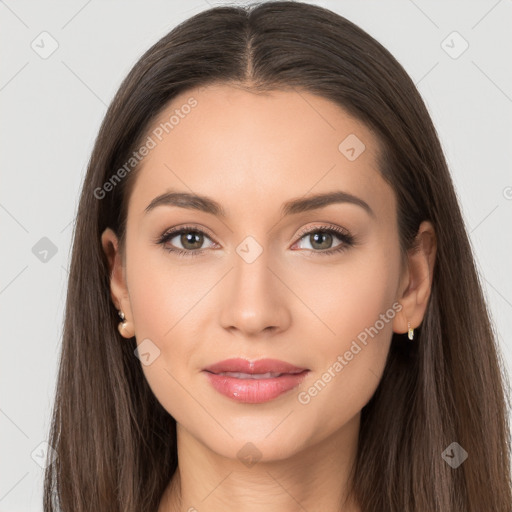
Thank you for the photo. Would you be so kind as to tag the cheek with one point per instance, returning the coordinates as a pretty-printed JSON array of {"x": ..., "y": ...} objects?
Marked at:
[
  {"x": 356, "y": 302},
  {"x": 345, "y": 298},
  {"x": 164, "y": 292},
  {"x": 170, "y": 304}
]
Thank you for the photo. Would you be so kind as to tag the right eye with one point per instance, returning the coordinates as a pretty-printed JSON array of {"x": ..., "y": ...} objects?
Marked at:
[{"x": 190, "y": 238}]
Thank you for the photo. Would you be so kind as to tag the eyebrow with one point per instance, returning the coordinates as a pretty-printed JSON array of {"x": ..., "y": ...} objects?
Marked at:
[{"x": 292, "y": 207}]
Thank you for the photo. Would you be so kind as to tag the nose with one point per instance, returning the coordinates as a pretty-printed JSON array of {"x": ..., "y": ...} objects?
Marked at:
[{"x": 254, "y": 299}]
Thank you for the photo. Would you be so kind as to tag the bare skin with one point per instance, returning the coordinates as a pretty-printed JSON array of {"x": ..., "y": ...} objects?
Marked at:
[{"x": 252, "y": 153}]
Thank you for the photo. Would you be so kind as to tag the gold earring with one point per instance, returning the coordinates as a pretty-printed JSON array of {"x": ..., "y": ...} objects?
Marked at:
[
  {"x": 411, "y": 331},
  {"x": 123, "y": 326}
]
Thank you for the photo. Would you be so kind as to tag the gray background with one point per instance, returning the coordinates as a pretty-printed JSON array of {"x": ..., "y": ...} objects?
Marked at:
[{"x": 51, "y": 110}]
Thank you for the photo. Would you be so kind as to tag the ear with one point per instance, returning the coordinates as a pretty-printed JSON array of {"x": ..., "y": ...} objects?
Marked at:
[
  {"x": 416, "y": 283},
  {"x": 118, "y": 288}
]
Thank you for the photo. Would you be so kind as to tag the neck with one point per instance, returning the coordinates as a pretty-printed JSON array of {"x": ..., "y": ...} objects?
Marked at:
[{"x": 314, "y": 478}]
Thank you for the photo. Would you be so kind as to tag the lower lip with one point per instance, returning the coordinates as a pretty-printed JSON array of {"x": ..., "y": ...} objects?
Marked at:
[{"x": 255, "y": 391}]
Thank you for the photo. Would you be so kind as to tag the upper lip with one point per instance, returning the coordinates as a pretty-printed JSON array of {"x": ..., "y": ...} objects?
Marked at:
[{"x": 259, "y": 366}]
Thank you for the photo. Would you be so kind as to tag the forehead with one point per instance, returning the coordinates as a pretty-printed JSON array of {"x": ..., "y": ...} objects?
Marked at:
[{"x": 250, "y": 149}]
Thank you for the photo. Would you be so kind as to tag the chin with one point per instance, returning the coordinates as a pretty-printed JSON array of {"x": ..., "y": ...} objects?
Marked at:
[{"x": 255, "y": 441}]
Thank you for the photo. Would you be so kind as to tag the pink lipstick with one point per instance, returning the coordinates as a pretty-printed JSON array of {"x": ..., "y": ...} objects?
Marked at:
[{"x": 254, "y": 381}]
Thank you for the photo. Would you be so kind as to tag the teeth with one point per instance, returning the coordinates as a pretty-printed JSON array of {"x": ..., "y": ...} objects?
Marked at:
[{"x": 240, "y": 375}]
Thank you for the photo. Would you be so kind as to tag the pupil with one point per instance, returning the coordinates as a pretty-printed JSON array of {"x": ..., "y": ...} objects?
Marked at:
[
  {"x": 323, "y": 236},
  {"x": 188, "y": 238}
]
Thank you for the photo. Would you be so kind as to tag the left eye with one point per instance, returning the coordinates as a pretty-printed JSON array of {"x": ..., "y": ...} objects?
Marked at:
[{"x": 321, "y": 239}]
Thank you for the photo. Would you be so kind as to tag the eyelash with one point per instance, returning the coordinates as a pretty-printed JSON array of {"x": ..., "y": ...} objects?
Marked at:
[{"x": 346, "y": 238}]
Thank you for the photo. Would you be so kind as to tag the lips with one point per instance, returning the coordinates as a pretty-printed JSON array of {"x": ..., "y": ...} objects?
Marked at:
[
  {"x": 261, "y": 366},
  {"x": 254, "y": 381},
  {"x": 240, "y": 375}
]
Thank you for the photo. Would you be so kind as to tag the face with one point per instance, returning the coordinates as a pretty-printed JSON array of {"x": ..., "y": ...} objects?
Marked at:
[{"x": 314, "y": 284}]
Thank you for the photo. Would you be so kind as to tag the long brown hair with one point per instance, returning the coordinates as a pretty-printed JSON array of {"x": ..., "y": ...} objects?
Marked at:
[{"x": 116, "y": 444}]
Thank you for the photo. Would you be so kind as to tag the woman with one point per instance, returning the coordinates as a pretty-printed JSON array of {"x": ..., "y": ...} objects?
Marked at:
[{"x": 273, "y": 303}]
